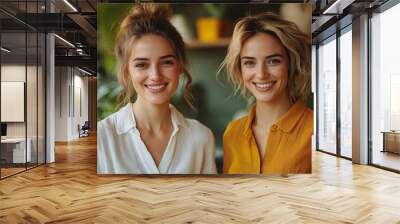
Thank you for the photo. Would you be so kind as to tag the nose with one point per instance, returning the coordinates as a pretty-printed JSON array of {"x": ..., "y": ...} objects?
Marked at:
[
  {"x": 154, "y": 73},
  {"x": 262, "y": 71}
]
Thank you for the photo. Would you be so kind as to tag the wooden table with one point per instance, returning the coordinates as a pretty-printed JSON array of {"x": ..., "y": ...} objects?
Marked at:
[
  {"x": 13, "y": 150},
  {"x": 391, "y": 141}
]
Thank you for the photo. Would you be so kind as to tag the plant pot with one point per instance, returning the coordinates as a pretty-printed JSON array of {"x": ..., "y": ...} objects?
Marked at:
[{"x": 208, "y": 29}]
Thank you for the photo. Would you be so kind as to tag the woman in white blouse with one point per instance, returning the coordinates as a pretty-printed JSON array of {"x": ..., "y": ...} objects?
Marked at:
[{"x": 150, "y": 136}]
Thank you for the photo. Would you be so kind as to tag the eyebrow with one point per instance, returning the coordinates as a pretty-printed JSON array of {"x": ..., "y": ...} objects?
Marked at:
[
  {"x": 146, "y": 59},
  {"x": 168, "y": 56},
  {"x": 269, "y": 56}
]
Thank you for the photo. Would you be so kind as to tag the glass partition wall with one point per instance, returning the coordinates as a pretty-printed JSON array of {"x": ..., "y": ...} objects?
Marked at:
[
  {"x": 385, "y": 89},
  {"x": 13, "y": 110},
  {"x": 22, "y": 77},
  {"x": 345, "y": 93},
  {"x": 334, "y": 94},
  {"x": 326, "y": 91}
]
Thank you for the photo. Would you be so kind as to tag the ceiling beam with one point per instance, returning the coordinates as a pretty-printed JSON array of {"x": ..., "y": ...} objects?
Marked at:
[
  {"x": 84, "y": 24},
  {"x": 82, "y": 61}
]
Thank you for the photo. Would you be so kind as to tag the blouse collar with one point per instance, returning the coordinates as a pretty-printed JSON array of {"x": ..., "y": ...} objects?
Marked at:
[
  {"x": 286, "y": 123},
  {"x": 125, "y": 119}
]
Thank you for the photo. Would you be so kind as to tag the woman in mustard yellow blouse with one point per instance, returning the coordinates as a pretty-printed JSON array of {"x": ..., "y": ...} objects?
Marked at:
[{"x": 269, "y": 60}]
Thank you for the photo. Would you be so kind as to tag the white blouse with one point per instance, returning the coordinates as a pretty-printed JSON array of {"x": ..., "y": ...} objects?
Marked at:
[{"x": 120, "y": 150}]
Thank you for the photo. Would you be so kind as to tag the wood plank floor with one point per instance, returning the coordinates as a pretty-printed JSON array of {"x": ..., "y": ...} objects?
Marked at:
[
  {"x": 388, "y": 159},
  {"x": 10, "y": 171},
  {"x": 70, "y": 191}
]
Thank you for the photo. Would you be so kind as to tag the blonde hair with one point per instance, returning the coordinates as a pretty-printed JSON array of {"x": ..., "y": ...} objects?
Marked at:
[
  {"x": 146, "y": 19},
  {"x": 296, "y": 43}
]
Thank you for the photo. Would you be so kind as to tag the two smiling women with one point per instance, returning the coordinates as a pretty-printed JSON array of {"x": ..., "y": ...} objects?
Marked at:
[{"x": 268, "y": 60}]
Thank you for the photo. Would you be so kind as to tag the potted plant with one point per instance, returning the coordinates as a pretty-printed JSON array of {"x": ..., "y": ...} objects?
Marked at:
[{"x": 209, "y": 27}]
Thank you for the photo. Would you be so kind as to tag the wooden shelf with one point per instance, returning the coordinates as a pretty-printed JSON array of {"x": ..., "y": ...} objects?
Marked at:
[{"x": 220, "y": 43}]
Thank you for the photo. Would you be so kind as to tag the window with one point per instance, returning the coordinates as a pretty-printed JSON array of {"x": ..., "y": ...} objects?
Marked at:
[
  {"x": 327, "y": 96},
  {"x": 385, "y": 89},
  {"x": 346, "y": 93}
]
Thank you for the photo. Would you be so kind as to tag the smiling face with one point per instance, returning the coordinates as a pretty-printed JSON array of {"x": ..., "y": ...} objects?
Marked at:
[
  {"x": 154, "y": 69},
  {"x": 264, "y": 67}
]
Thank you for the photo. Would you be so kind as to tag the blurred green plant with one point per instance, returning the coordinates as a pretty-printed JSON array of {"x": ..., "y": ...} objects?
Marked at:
[
  {"x": 109, "y": 17},
  {"x": 215, "y": 10}
]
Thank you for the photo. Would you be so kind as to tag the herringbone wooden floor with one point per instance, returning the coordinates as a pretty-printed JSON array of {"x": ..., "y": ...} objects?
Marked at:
[{"x": 69, "y": 191}]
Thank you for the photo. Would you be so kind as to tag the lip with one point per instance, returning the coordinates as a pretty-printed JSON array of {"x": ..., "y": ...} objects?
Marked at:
[
  {"x": 264, "y": 86},
  {"x": 156, "y": 87}
]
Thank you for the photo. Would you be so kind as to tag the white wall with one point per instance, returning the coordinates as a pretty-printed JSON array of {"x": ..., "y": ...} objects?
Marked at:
[
  {"x": 61, "y": 103},
  {"x": 33, "y": 126},
  {"x": 16, "y": 73},
  {"x": 71, "y": 94}
]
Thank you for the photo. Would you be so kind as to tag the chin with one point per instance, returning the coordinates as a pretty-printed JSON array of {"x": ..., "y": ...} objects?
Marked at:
[
  {"x": 158, "y": 100},
  {"x": 266, "y": 98}
]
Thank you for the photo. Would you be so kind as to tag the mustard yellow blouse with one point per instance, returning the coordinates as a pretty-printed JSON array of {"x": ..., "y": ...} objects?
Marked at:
[{"x": 288, "y": 148}]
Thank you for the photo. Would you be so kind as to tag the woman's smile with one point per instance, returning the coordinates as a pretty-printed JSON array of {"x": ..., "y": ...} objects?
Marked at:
[
  {"x": 264, "y": 86},
  {"x": 157, "y": 87}
]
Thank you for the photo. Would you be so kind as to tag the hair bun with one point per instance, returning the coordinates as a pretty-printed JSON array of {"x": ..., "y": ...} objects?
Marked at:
[{"x": 150, "y": 10}]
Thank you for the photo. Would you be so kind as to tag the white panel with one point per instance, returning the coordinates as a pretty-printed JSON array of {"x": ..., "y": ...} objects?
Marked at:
[
  {"x": 77, "y": 105},
  {"x": 12, "y": 101},
  {"x": 50, "y": 80},
  {"x": 360, "y": 90}
]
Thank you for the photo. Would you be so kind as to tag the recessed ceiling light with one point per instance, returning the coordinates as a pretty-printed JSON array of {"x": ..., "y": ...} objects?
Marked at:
[
  {"x": 337, "y": 7},
  {"x": 84, "y": 71},
  {"x": 5, "y": 49},
  {"x": 65, "y": 41},
  {"x": 70, "y": 5}
]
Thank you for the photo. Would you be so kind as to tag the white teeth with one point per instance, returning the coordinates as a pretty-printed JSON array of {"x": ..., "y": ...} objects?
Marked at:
[
  {"x": 156, "y": 87},
  {"x": 264, "y": 85}
]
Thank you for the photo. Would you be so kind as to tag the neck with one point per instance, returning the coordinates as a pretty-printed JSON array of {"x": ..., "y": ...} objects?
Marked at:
[
  {"x": 151, "y": 116},
  {"x": 268, "y": 113}
]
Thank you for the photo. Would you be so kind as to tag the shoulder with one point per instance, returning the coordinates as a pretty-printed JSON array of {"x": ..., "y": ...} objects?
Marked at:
[
  {"x": 309, "y": 115},
  {"x": 110, "y": 120},
  {"x": 191, "y": 128},
  {"x": 114, "y": 122},
  {"x": 301, "y": 114},
  {"x": 106, "y": 135},
  {"x": 236, "y": 126},
  {"x": 307, "y": 120},
  {"x": 107, "y": 124},
  {"x": 198, "y": 129}
]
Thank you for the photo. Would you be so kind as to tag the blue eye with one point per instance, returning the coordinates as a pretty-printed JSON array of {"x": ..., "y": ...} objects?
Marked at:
[{"x": 274, "y": 61}]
